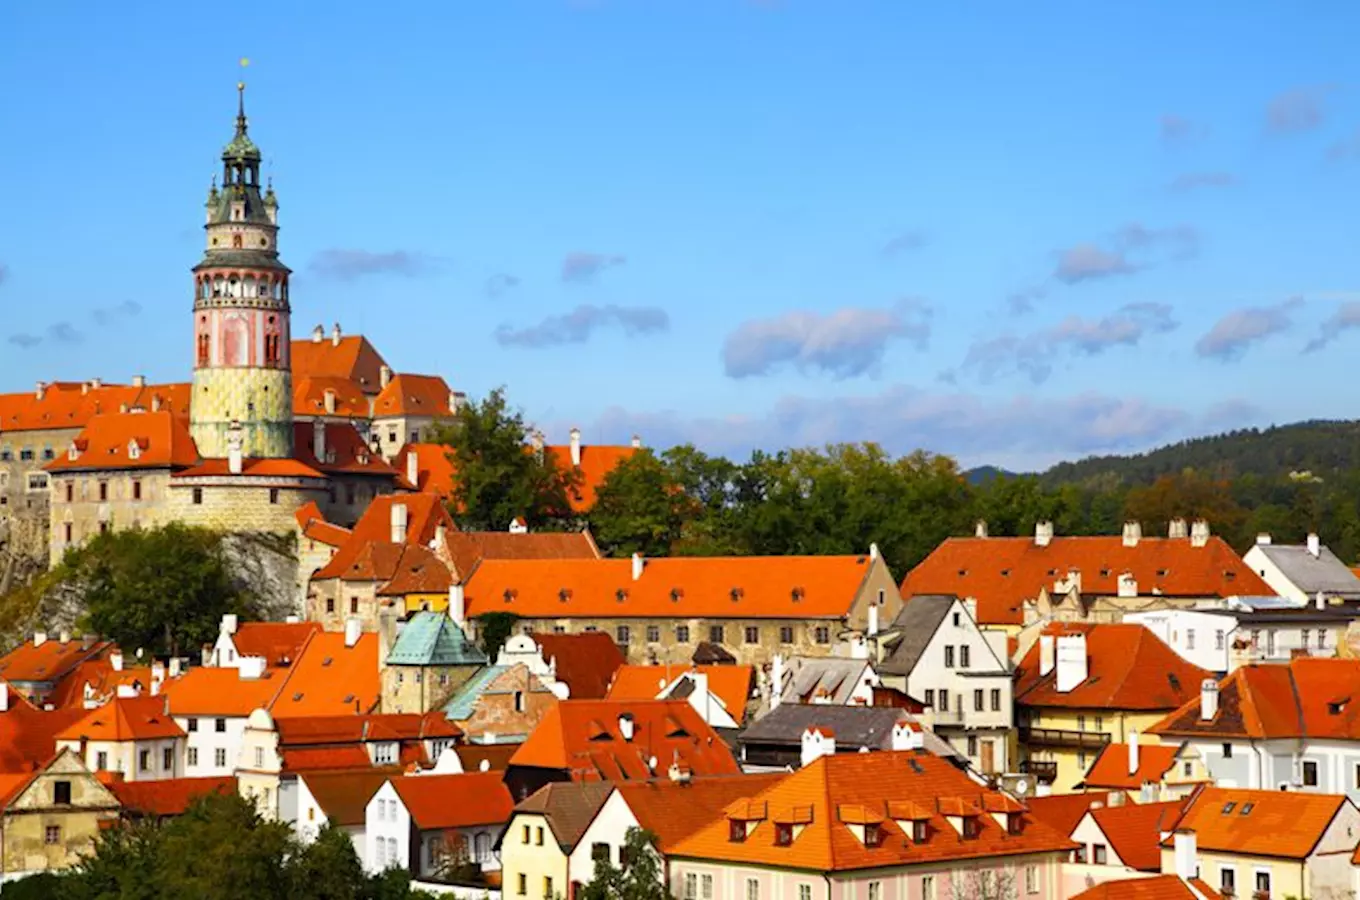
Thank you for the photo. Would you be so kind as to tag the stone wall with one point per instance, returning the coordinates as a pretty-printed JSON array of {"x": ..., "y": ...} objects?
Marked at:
[
  {"x": 110, "y": 500},
  {"x": 28, "y": 818},
  {"x": 260, "y": 399},
  {"x": 419, "y": 689}
]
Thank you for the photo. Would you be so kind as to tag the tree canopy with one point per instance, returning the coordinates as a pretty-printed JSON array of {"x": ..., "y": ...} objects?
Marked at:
[{"x": 642, "y": 877}]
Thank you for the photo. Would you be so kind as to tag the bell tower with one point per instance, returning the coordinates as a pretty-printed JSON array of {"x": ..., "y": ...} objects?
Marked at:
[{"x": 242, "y": 385}]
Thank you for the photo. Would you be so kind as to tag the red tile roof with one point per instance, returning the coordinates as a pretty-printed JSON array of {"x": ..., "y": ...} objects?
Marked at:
[
  {"x": 418, "y": 571},
  {"x": 425, "y": 514},
  {"x": 328, "y": 759},
  {"x": 348, "y": 728},
  {"x": 1307, "y": 697},
  {"x": 1062, "y": 812},
  {"x": 255, "y": 468},
  {"x": 750, "y": 587},
  {"x": 730, "y": 684},
  {"x": 1002, "y": 573},
  {"x": 584, "y": 739},
  {"x": 597, "y": 461},
  {"x": 434, "y": 469},
  {"x": 71, "y": 405},
  {"x": 414, "y": 395},
  {"x": 313, "y": 525},
  {"x": 329, "y": 678},
  {"x": 346, "y": 452},
  {"x": 344, "y": 796},
  {"x": 98, "y": 673},
  {"x": 278, "y": 642},
  {"x": 1285, "y": 824},
  {"x": 673, "y": 811},
  {"x": 353, "y": 359},
  {"x": 1157, "y": 887},
  {"x": 1135, "y": 830},
  {"x": 147, "y": 440},
  {"x": 124, "y": 719},
  {"x": 49, "y": 661},
  {"x": 469, "y": 548},
  {"x": 455, "y": 801},
  {"x": 1128, "y": 668},
  {"x": 878, "y": 788},
  {"x": 1111, "y": 768},
  {"x": 309, "y": 397},
  {"x": 586, "y": 662},
  {"x": 170, "y": 796},
  {"x": 28, "y": 735},
  {"x": 212, "y": 691}
]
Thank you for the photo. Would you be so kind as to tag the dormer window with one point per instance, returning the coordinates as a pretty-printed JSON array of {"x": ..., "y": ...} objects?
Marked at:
[
  {"x": 920, "y": 831},
  {"x": 134, "y": 450},
  {"x": 1014, "y": 823},
  {"x": 783, "y": 835},
  {"x": 971, "y": 828},
  {"x": 736, "y": 831},
  {"x": 73, "y": 453},
  {"x": 873, "y": 835}
]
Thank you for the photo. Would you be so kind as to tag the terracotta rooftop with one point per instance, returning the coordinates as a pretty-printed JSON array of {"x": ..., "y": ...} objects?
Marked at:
[
  {"x": 347, "y": 397},
  {"x": 418, "y": 571},
  {"x": 213, "y": 691},
  {"x": 414, "y": 395},
  {"x": 1282, "y": 824},
  {"x": 1001, "y": 573},
  {"x": 146, "y": 440},
  {"x": 352, "y": 358},
  {"x": 1156, "y": 887},
  {"x": 469, "y": 548},
  {"x": 1062, "y": 812},
  {"x": 168, "y": 796},
  {"x": 344, "y": 796},
  {"x": 49, "y": 661},
  {"x": 434, "y": 470},
  {"x": 586, "y": 662},
  {"x": 28, "y": 735},
  {"x": 278, "y": 642},
  {"x": 329, "y": 678},
  {"x": 72, "y": 405},
  {"x": 730, "y": 684},
  {"x": 255, "y": 468},
  {"x": 597, "y": 461},
  {"x": 1128, "y": 668},
  {"x": 673, "y": 811},
  {"x": 124, "y": 719},
  {"x": 346, "y": 452},
  {"x": 568, "y": 807},
  {"x": 425, "y": 514},
  {"x": 1135, "y": 830},
  {"x": 1111, "y": 767},
  {"x": 455, "y": 801}
]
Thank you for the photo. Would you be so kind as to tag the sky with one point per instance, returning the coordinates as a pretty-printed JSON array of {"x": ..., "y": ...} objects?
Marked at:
[{"x": 1013, "y": 233}]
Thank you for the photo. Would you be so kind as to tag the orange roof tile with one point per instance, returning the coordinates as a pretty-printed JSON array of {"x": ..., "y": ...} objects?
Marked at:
[
  {"x": 212, "y": 691},
  {"x": 28, "y": 735},
  {"x": 673, "y": 811},
  {"x": 329, "y": 759},
  {"x": 1128, "y": 668},
  {"x": 12, "y": 784},
  {"x": 584, "y": 739},
  {"x": 71, "y": 405},
  {"x": 730, "y": 684},
  {"x": 49, "y": 661},
  {"x": 346, "y": 452},
  {"x": 255, "y": 468},
  {"x": 414, "y": 395},
  {"x": 469, "y": 548},
  {"x": 314, "y": 525},
  {"x": 169, "y": 796},
  {"x": 1307, "y": 697},
  {"x": 1062, "y": 812},
  {"x": 425, "y": 514},
  {"x": 597, "y": 461},
  {"x": 586, "y": 663},
  {"x": 343, "y": 796},
  {"x": 1285, "y": 824},
  {"x": 434, "y": 469},
  {"x": 750, "y": 587},
  {"x": 1135, "y": 830},
  {"x": 1157, "y": 887},
  {"x": 328, "y": 678},
  {"x": 278, "y": 642},
  {"x": 348, "y": 397},
  {"x": 455, "y": 801},
  {"x": 98, "y": 673},
  {"x": 352, "y": 358},
  {"x": 861, "y": 784},
  {"x": 1002, "y": 573},
  {"x": 418, "y": 571},
  {"x": 1111, "y": 768},
  {"x": 124, "y": 719},
  {"x": 145, "y": 440}
]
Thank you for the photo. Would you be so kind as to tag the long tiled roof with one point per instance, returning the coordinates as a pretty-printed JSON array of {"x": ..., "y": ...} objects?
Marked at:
[
  {"x": 144, "y": 440},
  {"x": 751, "y": 587},
  {"x": 1062, "y": 812},
  {"x": 329, "y": 678},
  {"x": 418, "y": 571},
  {"x": 213, "y": 691},
  {"x": 469, "y": 548},
  {"x": 348, "y": 398},
  {"x": 1111, "y": 767},
  {"x": 586, "y": 662},
  {"x": 278, "y": 642},
  {"x": 1128, "y": 668},
  {"x": 455, "y": 801},
  {"x": 1002, "y": 573},
  {"x": 49, "y": 661},
  {"x": 346, "y": 452},
  {"x": 1156, "y": 887},
  {"x": 1283, "y": 824},
  {"x": 168, "y": 796},
  {"x": 597, "y": 461},
  {"x": 882, "y": 789},
  {"x": 28, "y": 735},
  {"x": 673, "y": 810},
  {"x": 414, "y": 395},
  {"x": 124, "y": 719},
  {"x": 425, "y": 513},
  {"x": 352, "y": 358},
  {"x": 71, "y": 405}
]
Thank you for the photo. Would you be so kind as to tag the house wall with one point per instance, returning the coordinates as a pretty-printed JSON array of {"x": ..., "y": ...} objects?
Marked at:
[
  {"x": 610, "y": 827},
  {"x": 387, "y": 832},
  {"x": 1074, "y": 762},
  {"x": 396, "y": 432},
  {"x": 1286, "y": 875},
  {"x": 244, "y": 506},
  {"x": 411, "y": 689},
  {"x": 1327, "y": 875},
  {"x": 88, "y": 515},
  {"x": 202, "y": 744},
  {"x": 29, "y": 815},
  {"x": 1077, "y": 877},
  {"x": 511, "y": 706},
  {"x": 1271, "y": 575},
  {"x": 527, "y": 864},
  {"x": 20, "y": 501},
  {"x": 1197, "y": 637},
  {"x": 344, "y": 596},
  {"x": 125, "y": 757},
  {"x": 262, "y": 783}
]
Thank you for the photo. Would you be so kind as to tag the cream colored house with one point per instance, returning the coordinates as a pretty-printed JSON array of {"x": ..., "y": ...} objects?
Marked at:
[
  {"x": 135, "y": 737},
  {"x": 537, "y": 843},
  {"x": 50, "y": 818}
]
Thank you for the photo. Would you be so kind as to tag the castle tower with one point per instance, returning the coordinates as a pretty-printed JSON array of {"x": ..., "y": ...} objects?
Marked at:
[{"x": 242, "y": 386}]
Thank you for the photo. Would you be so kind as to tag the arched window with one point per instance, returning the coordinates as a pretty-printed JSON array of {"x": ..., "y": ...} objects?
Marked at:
[{"x": 236, "y": 241}]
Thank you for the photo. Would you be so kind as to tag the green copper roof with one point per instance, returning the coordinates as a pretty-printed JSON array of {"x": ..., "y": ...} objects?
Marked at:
[
  {"x": 241, "y": 146},
  {"x": 433, "y": 639},
  {"x": 464, "y": 701}
]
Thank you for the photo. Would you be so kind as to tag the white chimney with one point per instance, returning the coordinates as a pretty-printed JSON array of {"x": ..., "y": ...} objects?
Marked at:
[
  {"x": 234, "y": 451},
  {"x": 1043, "y": 534},
  {"x": 1263, "y": 539},
  {"x": 576, "y": 447},
  {"x": 1128, "y": 587},
  {"x": 1133, "y": 752},
  {"x": 39, "y": 638},
  {"x": 1072, "y": 662},
  {"x": 96, "y": 384},
  {"x": 352, "y": 631},
  {"x": 626, "y": 726},
  {"x": 328, "y": 400},
  {"x": 1186, "y": 852},
  {"x": 1320, "y": 601},
  {"x": 318, "y": 334},
  {"x": 4, "y": 697},
  {"x": 399, "y": 519},
  {"x": 1133, "y": 533},
  {"x": 116, "y": 660},
  {"x": 176, "y": 667},
  {"x": 638, "y": 564},
  {"x": 292, "y": 619},
  {"x": 1199, "y": 533},
  {"x": 873, "y": 619},
  {"x": 229, "y": 623},
  {"x": 1046, "y": 654},
  {"x": 40, "y": 390},
  {"x": 384, "y": 376},
  {"x": 1176, "y": 529},
  {"x": 156, "y": 403},
  {"x": 980, "y": 528},
  {"x": 157, "y": 677},
  {"x": 817, "y": 742},
  {"x": 335, "y": 335},
  {"x": 776, "y": 681},
  {"x": 637, "y": 442},
  {"x": 873, "y": 551},
  {"x": 1314, "y": 545},
  {"x": 457, "y": 607},
  {"x": 139, "y": 381},
  {"x": 1208, "y": 699},
  {"x": 412, "y": 466},
  {"x": 252, "y": 668},
  {"x": 906, "y": 735},
  {"x": 64, "y": 636},
  {"x": 319, "y": 437}
]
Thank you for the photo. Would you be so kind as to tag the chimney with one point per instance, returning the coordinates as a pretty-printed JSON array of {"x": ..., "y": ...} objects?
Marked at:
[
  {"x": 122, "y": 407},
  {"x": 156, "y": 402},
  {"x": 638, "y": 564},
  {"x": 1128, "y": 587},
  {"x": 1320, "y": 601},
  {"x": 4, "y": 697},
  {"x": 234, "y": 459},
  {"x": 457, "y": 400},
  {"x": 139, "y": 381},
  {"x": 576, "y": 447},
  {"x": 457, "y": 607},
  {"x": 1208, "y": 699},
  {"x": 352, "y": 631},
  {"x": 637, "y": 442},
  {"x": 980, "y": 528},
  {"x": 776, "y": 681},
  {"x": 335, "y": 335},
  {"x": 40, "y": 390},
  {"x": 1072, "y": 662},
  {"x": 626, "y": 726},
  {"x": 399, "y": 515},
  {"x": 157, "y": 677},
  {"x": 39, "y": 638},
  {"x": 1043, "y": 534},
  {"x": 1263, "y": 539},
  {"x": 319, "y": 434},
  {"x": 116, "y": 660},
  {"x": 328, "y": 399},
  {"x": 817, "y": 742},
  {"x": 906, "y": 735},
  {"x": 64, "y": 636},
  {"x": 384, "y": 376},
  {"x": 873, "y": 551},
  {"x": 251, "y": 668},
  {"x": 292, "y": 619},
  {"x": 872, "y": 630},
  {"x": 1314, "y": 545},
  {"x": 1133, "y": 752},
  {"x": 1199, "y": 533},
  {"x": 1133, "y": 533},
  {"x": 1186, "y": 851},
  {"x": 176, "y": 667},
  {"x": 412, "y": 466},
  {"x": 230, "y": 622},
  {"x": 318, "y": 334},
  {"x": 1045, "y": 654},
  {"x": 1175, "y": 529}
]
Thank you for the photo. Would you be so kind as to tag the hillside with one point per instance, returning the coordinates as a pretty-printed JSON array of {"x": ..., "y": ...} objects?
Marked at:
[{"x": 1324, "y": 448}]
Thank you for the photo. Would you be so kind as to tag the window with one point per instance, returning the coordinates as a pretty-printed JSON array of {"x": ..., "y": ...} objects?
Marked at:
[
  {"x": 220, "y": 757},
  {"x": 930, "y": 697},
  {"x": 1081, "y": 723},
  {"x": 822, "y": 634},
  {"x": 622, "y": 635},
  {"x": 653, "y": 634},
  {"x": 26, "y": 454},
  {"x": 1263, "y": 882},
  {"x": 37, "y": 481},
  {"x": 875, "y": 890},
  {"x": 192, "y": 755},
  {"x": 691, "y": 886},
  {"x": 1187, "y": 768},
  {"x": 519, "y": 701},
  {"x": 103, "y": 491},
  {"x": 70, "y": 491},
  {"x": 524, "y": 838},
  {"x": 353, "y": 605},
  {"x": 220, "y": 726},
  {"x": 538, "y": 836},
  {"x": 949, "y": 656},
  {"x": 1189, "y": 639},
  {"x": 977, "y": 700},
  {"x": 944, "y": 701},
  {"x": 599, "y": 852},
  {"x": 1100, "y": 724},
  {"x": 136, "y": 490},
  {"x": 963, "y": 656},
  {"x": 67, "y": 532},
  {"x": 752, "y": 634},
  {"x": 1079, "y": 855},
  {"x": 198, "y": 496},
  {"x": 752, "y": 889},
  {"x": 547, "y": 887},
  {"x": 1227, "y": 881},
  {"x": 1031, "y": 879},
  {"x": 168, "y": 758},
  {"x": 52, "y": 834},
  {"x": 101, "y": 763},
  {"x": 972, "y": 745},
  {"x": 1227, "y": 751},
  {"x": 918, "y": 831},
  {"x": 682, "y": 634},
  {"x": 1357, "y": 776},
  {"x": 61, "y": 793},
  {"x": 736, "y": 831},
  {"x": 1081, "y": 759},
  {"x": 523, "y": 885},
  {"x": 958, "y": 617},
  {"x": 274, "y": 496},
  {"x": 144, "y": 761},
  {"x": 928, "y": 887},
  {"x": 786, "y": 634},
  {"x": 1310, "y": 773},
  {"x": 804, "y": 892},
  {"x": 996, "y": 699},
  {"x": 1099, "y": 855},
  {"x": 715, "y": 633},
  {"x": 1322, "y": 638},
  {"x": 1218, "y": 639},
  {"x": 330, "y": 604},
  {"x": 259, "y": 757},
  {"x": 706, "y": 887}
]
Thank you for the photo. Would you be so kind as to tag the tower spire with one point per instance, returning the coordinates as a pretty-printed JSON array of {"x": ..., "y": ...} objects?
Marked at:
[{"x": 240, "y": 108}]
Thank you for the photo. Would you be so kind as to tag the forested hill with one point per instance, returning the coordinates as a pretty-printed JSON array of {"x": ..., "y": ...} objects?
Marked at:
[{"x": 1322, "y": 448}]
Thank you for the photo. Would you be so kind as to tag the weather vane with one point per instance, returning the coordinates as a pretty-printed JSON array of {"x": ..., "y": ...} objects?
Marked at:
[{"x": 245, "y": 62}]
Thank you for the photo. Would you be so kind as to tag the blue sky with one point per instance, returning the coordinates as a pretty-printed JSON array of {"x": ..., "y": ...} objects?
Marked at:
[{"x": 1013, "y": 233}]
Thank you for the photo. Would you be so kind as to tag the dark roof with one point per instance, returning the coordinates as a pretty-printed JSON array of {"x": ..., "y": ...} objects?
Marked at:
[
  {"x": 1311, "y": 574},
  {"x": 915, "y": 625},
  {"x": 569, "y": 807},
  {"x": 586, "y": 662},
  {"x": 344, "y": 796},
  {"x": 708, "y": 653},
  {"x": 855, "y": 727}
]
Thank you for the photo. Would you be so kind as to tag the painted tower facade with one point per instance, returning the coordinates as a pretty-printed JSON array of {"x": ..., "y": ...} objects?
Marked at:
[{"x": 242, "y": 386}]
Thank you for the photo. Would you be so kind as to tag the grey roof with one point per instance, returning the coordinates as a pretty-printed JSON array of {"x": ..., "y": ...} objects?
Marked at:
[
  {"x": 809, "y": 675},
  {"x": 1309, "y": 573},
  {"x": 915, "y": 625},
  {"x": 855, "y": 726},
  {"x": 434, "y": 639},
  {"x": 569, "y": 807}
]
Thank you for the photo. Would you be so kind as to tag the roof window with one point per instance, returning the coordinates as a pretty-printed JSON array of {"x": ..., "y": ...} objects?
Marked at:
[
  {"x": 736, "y": 594},
  {"x": 564, "y": 595},
  {"x": 797, "y": 594},
  {"x": 1247, "y": 808},
  {"x": 1229, "y": 807},
  {"x": 676, "y": 594}
]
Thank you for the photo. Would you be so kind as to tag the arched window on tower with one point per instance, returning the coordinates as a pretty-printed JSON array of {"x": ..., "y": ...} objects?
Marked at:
[
  {"x": 236, "y": 241},
  {"x": 203, "y": 344}
]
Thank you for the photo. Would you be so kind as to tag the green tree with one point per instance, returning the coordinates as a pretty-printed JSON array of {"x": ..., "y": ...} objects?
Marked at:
[
  {"x": 328, "y": 868},
  {"x": 164, "y": 589},
  {"x": 495, "y": 629},
  {"x": 642, "y": 878},
  {"x": 497, "y": 477},
  {"x": 639, "y": 508}
]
